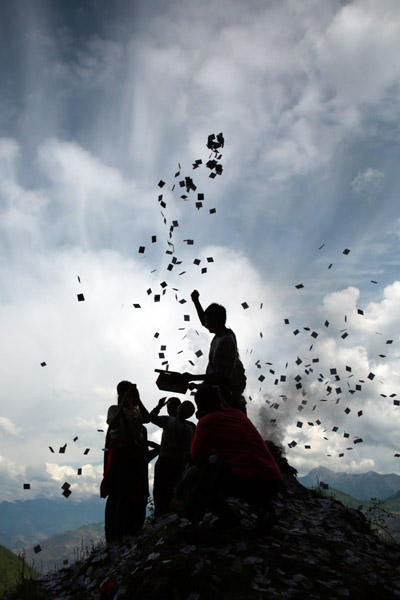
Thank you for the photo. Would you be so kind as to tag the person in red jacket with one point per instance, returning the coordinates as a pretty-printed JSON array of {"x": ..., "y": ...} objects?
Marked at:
[{"x": 231, "y": 456}]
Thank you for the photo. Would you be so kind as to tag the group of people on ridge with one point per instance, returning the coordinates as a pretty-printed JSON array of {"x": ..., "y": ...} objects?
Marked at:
[{"x": 198, "y": 466}]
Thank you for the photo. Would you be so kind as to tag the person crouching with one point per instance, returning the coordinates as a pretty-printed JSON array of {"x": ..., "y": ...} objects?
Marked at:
[{"x": 232, "y": 459}]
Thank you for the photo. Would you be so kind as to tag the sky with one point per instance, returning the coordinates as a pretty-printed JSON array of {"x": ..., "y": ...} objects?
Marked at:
[{"x": 102, "y": 100}]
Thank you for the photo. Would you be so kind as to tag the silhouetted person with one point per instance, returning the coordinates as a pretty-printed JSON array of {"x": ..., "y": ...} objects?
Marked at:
[
  {"x": 224, "y": 368},
  {"x": 174, "y": 452},
  {"x": 125, "y": 481},
  {"x": 232, "y": 460}
]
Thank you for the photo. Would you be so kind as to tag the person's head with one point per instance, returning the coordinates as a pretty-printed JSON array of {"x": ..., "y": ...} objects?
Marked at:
[
  {"x": 215, "y": 317},
  {"x": 172, "y": 406},
  {"x": 127, "y": 390},
  {"x": 208, "y": 399},
  {"x": 185, "y": 410}
]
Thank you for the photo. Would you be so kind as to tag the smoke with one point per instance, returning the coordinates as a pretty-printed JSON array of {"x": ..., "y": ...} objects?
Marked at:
[
  {"x": 309, "y": 405},
  {"x": 271, "y": 426}
]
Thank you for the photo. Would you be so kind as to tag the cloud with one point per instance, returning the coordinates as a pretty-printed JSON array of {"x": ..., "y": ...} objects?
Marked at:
[
  {"x": 368, "y": 183},
  {"x": 83, "y": 485},
  {"x": 88, "y": 347},
  {"x": 357, "y": 50},
  {"x": 8, "y": 426},
  {"x": 380, "y": 419},
  {"x": 366, "y": 464},
  {"x": 11, "y": 475},
  {"x": 8, "y": 466},
  {"x": 306, "y": 95}
]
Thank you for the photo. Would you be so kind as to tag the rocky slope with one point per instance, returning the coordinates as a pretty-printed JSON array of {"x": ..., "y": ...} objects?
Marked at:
[{"x": 317, "y": 549}]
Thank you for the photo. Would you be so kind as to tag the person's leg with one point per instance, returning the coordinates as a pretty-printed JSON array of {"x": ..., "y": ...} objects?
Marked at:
[
  {"x": 109, "y": 519},
  {"x": 197, "y": 491},
  {"x": 258, "y": 494},
  {"x": 184, "y": 490},
  {"x": 177, "y": 470},
  {"x": 115, "y": 513},
  {"x": 135, "y": 502},
  {"x": 137, "y": 517},
  {"x": 216, "y": 487},
  {"x": 166, "y": 474},
  {"x": 157, "y": 488},
  {"x": 261, "y": 497}
]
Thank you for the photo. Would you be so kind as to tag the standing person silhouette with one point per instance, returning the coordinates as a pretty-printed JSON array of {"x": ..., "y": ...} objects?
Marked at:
[
  {"x": 174, "y": 451},
  {"x": 125, "y": 481},
  {"x": 224, "y": 368}
]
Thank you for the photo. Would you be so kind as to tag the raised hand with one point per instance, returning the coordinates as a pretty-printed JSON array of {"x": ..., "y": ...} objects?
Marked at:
[{"x": 194, "y": 295}]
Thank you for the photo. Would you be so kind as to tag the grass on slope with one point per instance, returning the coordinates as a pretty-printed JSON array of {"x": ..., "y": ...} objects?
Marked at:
[
  {"x": 384, "y": 515},
  {"x": 12, "y": 569}
]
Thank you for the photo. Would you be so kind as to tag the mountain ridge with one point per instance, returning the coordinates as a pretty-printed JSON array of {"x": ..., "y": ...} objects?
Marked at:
[
  {"x": 360, "y": 485},
  {"x": 26, "y": 522},
  {"x": 65, "y": 548},
  {"x": 317, "y": 548}
]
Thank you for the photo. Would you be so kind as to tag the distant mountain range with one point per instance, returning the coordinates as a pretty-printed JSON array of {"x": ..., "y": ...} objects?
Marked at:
[
  {"x": 317, "y": 548},
  {"x": 27, "y": 522},
  {"x": 68, "y": 546},
  {"x": 78, "y": 543},
  {"x": 67, "y": 530},
  {"x": 359, "y": 485}
]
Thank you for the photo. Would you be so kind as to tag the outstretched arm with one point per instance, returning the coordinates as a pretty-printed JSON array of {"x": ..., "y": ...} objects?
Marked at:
[
  {"x": 154, "y": 452},
  {"x": 195, "y": 298},
  {"x": 211, "y": 378}
]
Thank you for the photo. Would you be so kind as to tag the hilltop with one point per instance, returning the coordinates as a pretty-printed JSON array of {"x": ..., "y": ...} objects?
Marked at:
[{"x": 318, "y": 548}]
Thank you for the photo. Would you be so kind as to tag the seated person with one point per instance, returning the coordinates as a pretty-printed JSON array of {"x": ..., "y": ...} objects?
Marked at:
[
  {"x": 174, "y": 451},
  {"x": 232, "y": 459}
]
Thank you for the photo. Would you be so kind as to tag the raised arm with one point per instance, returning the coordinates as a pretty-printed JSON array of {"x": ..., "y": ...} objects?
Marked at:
[
  {"x": 153, "y": 416},
  {"x": 195, "y": 298},
  {"x": 154, "y": 412}
]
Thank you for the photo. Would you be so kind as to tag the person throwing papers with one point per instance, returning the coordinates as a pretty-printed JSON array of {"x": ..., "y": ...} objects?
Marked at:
[{"x": 224, "y": 368}]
